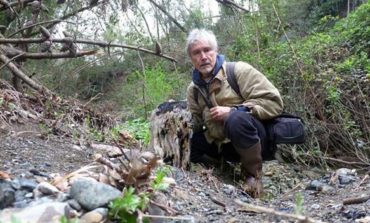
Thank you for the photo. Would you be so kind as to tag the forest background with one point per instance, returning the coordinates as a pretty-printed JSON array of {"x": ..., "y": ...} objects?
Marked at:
[{"x": 316, "y": 52}]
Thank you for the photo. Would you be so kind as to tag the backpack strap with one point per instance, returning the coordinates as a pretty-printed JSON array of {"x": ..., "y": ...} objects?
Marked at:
[
  {"x": 230, "y": 73},
  {"x": 231, "y": 79}
]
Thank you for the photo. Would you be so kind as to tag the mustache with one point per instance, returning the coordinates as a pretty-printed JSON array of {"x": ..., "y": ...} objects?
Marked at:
[{"x": 205, "y": 64}]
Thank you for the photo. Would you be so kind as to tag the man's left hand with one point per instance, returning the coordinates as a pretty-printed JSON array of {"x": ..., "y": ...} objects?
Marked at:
[{"x": 220, "y": 113}]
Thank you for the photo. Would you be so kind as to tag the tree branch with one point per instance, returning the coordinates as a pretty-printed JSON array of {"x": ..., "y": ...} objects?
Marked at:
[
  {"x": 39, "y": 56},
  {"x": 169, "y": 16},
  {"x": 231, "y": 3},
  {"x": 33, "y": 25},
  {"x": 15, "y": 3},
  {"x": 84, "y": 41},
  {"x": 19, "y": 73}
]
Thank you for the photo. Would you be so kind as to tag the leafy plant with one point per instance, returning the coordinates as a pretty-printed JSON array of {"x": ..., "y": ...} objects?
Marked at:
[
  {"x": 139, "y": 128},
  {"x": 125, "y": 208},
  {"x": 299, "y": 200},
  {"x": 158, "y": 183}
]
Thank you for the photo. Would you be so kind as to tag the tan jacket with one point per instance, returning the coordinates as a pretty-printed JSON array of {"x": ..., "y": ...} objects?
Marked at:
[{"x": 254, "y": 87}]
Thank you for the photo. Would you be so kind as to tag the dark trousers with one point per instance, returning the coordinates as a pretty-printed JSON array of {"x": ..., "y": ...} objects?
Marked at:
[{"x": 242, "y": 129}]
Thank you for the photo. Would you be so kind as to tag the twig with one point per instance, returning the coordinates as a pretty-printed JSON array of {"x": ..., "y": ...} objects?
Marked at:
[
  {"x": 168, "y": 217},
  {"x": 346, "y": 162},
  {"x": 356, "y": 200},
  {"x": 217, "y": 201},
  {"x": 363, "y": 180},
  {"x": 169, "y": 210},
  {"x": 290, "y": 191},
  {"x": 36, "y": 24},
  {"x": 91, "y": 99},
  {"x": 260, "y": 209},
  {"x": 11, "y": 59}
]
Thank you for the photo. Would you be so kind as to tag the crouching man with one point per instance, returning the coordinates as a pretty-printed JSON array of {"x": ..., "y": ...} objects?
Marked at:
[{"x": 227, "y": 124}]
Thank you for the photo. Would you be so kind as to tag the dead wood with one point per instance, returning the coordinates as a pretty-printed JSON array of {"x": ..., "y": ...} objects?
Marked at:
[
  {"x": 53, "y": 55},
  {"x": 19, "y": 73},
  {"x": 84, "y": 41},
  {"x": 356, "y": 200},
  {"x": 170, "y": 133},
  {"x": 260, "y": 209}
]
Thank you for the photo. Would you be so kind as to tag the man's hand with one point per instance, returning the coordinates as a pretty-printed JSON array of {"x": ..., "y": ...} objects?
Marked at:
[{"x": 220, "y": 113}]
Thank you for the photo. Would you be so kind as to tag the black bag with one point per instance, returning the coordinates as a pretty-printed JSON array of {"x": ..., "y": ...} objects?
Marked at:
[{"x": 286, "y": 129}]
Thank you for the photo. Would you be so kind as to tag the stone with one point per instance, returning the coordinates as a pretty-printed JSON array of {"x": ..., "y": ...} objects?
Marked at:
[
  {"x": 44, "y": 213},
  {"x": 95, "y": 216},
  {"x": 91, "y": 194},
  {"x": 46, "y": 189},
  {"x": 25, "y": 184},
  {"x": 315, "y": 185},
  {"x": 346, "y": 179},
  {"x": 74, "y": 204},
  {"x": 7, "y": 194},
  {"x": 228, "y": 189}
]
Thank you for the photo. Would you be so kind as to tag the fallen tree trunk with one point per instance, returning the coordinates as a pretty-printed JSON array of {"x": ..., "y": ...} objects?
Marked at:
[{"x": 171, "y": 132}]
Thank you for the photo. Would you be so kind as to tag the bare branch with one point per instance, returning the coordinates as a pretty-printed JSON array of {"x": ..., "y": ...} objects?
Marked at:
[
  {"x": 85, "y": 41},
  {"x": 10, "y": 60},
  {"x": 39, "y": 56},
  {"x": 230, "y": 4},
  {"x": 169, "y": 16},
  {"x": 15, "y": 3},
  {"x": 19, "y": 73},
  {"x": 33, "y": 25}
]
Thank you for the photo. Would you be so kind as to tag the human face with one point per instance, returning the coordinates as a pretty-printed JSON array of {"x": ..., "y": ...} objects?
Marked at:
[{"x": 203, "y": 57}]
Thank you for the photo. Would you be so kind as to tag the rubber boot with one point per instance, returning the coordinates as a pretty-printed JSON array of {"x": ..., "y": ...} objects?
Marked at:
[{"x": 251, "y": 169}]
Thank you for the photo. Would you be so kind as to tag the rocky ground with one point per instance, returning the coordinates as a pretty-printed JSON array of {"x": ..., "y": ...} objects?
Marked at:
[
  {"x": 199, "y": 195},
  {"x": 52, "y": 171}
]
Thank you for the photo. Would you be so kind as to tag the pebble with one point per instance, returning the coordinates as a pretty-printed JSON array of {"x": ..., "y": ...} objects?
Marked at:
[
  {"x": 315, "y": 185},
  {"x": 315, "y": 206},
  {"x": 94, "y": 216},
  {"x": 46, "y": 189},
  {"x": 228, "y": 189},
  {"x": 346, "y": 179},
  {"x": 92, "y": 194}
]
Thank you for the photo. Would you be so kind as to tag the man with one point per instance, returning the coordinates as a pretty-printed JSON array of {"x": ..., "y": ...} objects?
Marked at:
[{"x": 226, "y": 124}]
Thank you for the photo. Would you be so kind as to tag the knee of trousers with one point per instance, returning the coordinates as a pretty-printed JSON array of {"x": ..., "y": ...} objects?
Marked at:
[{"x": 240, "y": 128}]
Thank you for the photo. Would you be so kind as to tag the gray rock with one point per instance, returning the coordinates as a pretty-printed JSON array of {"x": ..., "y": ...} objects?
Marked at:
[
  {"x": 315, "y": 185},
  {"x": 24, "y": 184},
  {"x": 92, "y": 194},
  {"x": 346, "y": 179},
  {"x": 74, "y": 204},
  {"x": 7, "y": 194},
  {"x": 228, "y": 189},
  {"x": 47, "y": 212}
]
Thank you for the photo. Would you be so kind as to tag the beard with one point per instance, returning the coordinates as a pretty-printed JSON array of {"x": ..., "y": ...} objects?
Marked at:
[{"x": 206, "y": 71}]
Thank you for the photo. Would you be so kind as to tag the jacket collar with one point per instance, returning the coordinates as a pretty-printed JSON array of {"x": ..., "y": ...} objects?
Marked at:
[{"x": 196, "y": 74}]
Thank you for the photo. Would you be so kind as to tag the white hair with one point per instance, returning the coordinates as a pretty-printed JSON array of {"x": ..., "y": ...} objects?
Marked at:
[{"x": 201, "y": 35}]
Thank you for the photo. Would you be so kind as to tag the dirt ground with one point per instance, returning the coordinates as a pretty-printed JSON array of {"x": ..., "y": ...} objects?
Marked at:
[{"x": 204, "y": 195}]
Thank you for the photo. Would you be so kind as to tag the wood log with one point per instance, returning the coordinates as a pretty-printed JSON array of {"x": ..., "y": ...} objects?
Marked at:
[{"x": 171, "y": 132}]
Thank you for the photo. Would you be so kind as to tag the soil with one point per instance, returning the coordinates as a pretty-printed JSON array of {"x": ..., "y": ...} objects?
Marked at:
[{"x": 202, "y": 194}]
